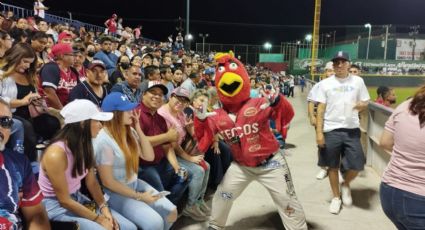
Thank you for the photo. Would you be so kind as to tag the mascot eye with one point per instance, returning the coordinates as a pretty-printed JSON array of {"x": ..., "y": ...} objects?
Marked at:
[
  {"x": 233, "y": 66},
  {"x": 221, "y": 69}
]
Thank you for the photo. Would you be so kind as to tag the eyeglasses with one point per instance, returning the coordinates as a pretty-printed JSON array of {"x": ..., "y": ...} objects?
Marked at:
[{"x": 6, "y": 122}]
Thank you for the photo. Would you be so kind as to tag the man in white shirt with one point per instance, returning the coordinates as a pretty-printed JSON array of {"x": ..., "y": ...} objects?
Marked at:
[{"x": 341, "y": 97}]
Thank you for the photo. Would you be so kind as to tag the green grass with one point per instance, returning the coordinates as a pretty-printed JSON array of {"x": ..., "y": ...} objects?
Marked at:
[{"x": 402, "y": 93}]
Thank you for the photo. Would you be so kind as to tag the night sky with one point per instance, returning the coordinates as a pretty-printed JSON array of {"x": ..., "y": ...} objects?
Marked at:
[{"x": 243, "y": 21}]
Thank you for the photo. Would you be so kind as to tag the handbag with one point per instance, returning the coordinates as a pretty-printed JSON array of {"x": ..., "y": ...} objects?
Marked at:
[{"x": 37, "y": 107}]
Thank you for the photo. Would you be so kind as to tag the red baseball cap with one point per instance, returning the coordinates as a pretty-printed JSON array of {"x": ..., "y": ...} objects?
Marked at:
[
  {"x": 61, "y": 48},
  {"x": 64, "y": 35}
]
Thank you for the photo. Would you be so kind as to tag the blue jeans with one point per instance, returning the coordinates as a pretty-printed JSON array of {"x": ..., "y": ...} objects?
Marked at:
[
  {"x": 162, "y": 177},
  {"x": 198, "y": 180},
  {"x": 56, "y": 212},
  {"x": 145, "y": 216},
  {"x": 406, "y": 210}
]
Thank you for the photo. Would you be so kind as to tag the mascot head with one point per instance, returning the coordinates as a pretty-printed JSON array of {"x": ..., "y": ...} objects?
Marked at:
[{"x": 232, "y": 81}]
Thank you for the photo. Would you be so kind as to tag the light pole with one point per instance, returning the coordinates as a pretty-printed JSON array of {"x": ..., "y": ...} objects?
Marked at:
[
  {"x": 369, "y": 26},
  {"x": 308, "y": 39},
  {"x": 187, "y": 21},
  {"x": 203, "y": 36},
  {"x": 189, "y": 39},
  {"x": 267, "y": 46}
]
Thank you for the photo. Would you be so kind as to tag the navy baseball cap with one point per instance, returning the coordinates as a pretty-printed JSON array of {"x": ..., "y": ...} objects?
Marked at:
[
  {"x": 117, "y": 102},
  {"x": 341, "y": 55}
]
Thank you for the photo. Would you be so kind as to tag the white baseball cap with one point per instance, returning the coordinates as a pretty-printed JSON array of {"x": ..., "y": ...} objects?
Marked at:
[{"x": 81, "y": 110}]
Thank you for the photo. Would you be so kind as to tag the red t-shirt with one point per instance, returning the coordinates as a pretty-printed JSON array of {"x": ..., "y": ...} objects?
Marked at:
[{"x": 112, "y": 25}]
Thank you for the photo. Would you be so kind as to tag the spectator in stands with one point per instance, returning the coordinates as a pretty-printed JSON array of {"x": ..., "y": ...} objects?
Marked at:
[
  {"x": 105, "y": 54},
  {"x": 177, "y": 77},
  {"x": 166, "y": 79},
  {"x": 69, "y": 160},
  {"x": 92, "y": 88},
  {"x": 136, "y": 60},
  {"x": 80, "y": 56},
  {"x": 147, "y": 60},
  {"x": 187, "y": 69},
  {"x": 39, "y": 43},
  {"x": 118, "y": 148},
  {"x": 138, "y": 32},
  {"x": 50, "y": 43},
  {"x": 119, "y": 27},
  {"x": 162, "y": 172},
  {"x": 91, "y": 51},
  {"x": 188, "y": 156},
  {"x": 19, "y": 89},
  {"x": 20, "y": 194},
  {"x": 6, "y": 42},
  {"x": 219, "y": 155},
  {"x": 8, "y": 23},
  {"x": 111, "y": 25},
  {"x": 39, "y": 8},
  {"x": 65, "y": 37},
  {"x": 117, "y": 76},
  {"x": 19, "y": 35},
  {"x": 58, "y": 78},
  {"x": 131, "y": 86},
  {"x": 167, "y": 61},
  {"x": 191, "y": 81},
  {"x": 386, "y": 96},
  {"x": 42, "y": 25},
  {"x": 402, "y": 189},
  {"x": 354, "y": 70}
]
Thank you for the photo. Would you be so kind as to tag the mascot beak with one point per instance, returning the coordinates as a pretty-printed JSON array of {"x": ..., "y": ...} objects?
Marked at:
[{"x": 230, "y": 84}]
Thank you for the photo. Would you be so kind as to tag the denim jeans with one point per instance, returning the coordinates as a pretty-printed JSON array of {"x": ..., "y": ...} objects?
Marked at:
[
  {"x": 144, "y": 216},
  {"x": 56, "y": 212},
  {"x": 406, "y": 210},
  {"x": 162, "y": 177},
  {"x": 219, "y": 163},
  {"x": 198, "y": 180}
]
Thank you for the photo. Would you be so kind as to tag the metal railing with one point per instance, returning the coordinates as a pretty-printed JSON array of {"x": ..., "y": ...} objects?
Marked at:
[
  {"x": 372, "y": 124},
  {"x": 21, "y": 12}
]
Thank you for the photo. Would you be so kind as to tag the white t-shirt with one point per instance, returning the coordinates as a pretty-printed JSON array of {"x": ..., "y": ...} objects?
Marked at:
[
  {"x": 340, "y": 97},
  {"x": 39, "y": 13},
  {"x": 312, "y": 95}
]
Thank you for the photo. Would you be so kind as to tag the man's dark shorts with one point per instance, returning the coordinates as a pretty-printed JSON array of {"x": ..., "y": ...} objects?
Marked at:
[{"x": 342, "y": 144}]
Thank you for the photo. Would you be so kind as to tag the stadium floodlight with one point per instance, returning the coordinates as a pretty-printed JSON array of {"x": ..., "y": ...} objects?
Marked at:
[
  {"x": 308, "y": 37},
  {"x": 369, "y": 26},
  {"x": 267, "y": 46}
]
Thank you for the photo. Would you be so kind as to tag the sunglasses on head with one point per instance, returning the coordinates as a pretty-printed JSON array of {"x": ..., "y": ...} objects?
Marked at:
[{"x": 6, "y": 122}]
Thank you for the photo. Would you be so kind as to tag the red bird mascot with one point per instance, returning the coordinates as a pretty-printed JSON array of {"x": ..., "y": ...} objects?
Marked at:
[{"x": 244, "y": 124}]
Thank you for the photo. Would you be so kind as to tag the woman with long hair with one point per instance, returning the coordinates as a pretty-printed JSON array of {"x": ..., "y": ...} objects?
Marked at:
[
  {"x": 118, "y": 148},
  {"x": 67, "y": 161},
  {"x": 19, "y": 88},
  {"x": 402, "y": 189},
  {"x": 187, "y": 154}
]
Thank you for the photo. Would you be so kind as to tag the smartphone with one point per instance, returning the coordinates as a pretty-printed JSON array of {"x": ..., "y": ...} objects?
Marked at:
[{"x": 163, "y": 193}]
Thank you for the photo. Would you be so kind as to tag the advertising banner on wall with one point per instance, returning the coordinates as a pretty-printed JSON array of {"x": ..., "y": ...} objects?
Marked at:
[{"x": 404, "y": 49}]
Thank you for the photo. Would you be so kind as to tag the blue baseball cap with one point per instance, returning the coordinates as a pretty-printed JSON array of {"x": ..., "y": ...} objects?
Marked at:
[{"x": 117, "y": 102}]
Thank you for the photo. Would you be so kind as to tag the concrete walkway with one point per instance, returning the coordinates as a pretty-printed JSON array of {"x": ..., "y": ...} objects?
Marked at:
[{"x": 255, "y": 210}]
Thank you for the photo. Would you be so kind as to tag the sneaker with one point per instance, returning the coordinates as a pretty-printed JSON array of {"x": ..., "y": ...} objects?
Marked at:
[
  {"x": 335, "y": 206},
  {"x": 323, "y": 173},
  {"x": 346, "y": 195},
  {"x": 204, "y": 208},
  {"x": 194, "y": 212}
]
